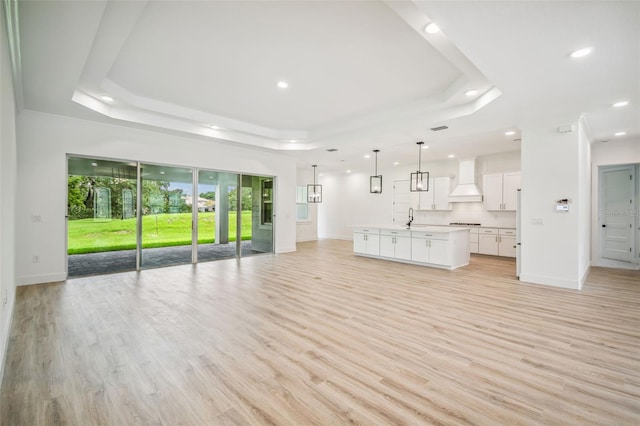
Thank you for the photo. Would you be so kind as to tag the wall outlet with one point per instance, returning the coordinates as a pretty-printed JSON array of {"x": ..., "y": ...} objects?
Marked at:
[
  {"x": 536, "y": 221},
  {"x": 36, "y": 218},
  {"x": 35, "y": 258}
]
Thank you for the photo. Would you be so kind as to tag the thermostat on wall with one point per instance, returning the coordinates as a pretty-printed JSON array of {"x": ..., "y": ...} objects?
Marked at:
[{"x": 562, "y": 206}]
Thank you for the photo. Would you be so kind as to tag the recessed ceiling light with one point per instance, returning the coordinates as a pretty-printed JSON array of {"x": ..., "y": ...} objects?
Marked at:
[
  {"x": 581, "y": 53},
  {"x": 395, "y": 163},
  {"x": 451, "y": 156},
  {"x": 620, "y": 104},
  {"x": 367, "y": 156},
  {"x": 214, "y": 127},
  {"x": 161, "y": 173},
  {"x": 425, "y": 146},
  {"x": 94, "y": 164},
  {"x": 431, "y": 28},
  {"x": 348, "y": 171},
  {"x": 106, "y": 98},
  {"x": 293, "y": 140},
  {"x": 510, "y": 133},
  {"x": 283, "y": 84},
  {"x": 471, "y": 92},
  {"x": 620, "y": 133}
]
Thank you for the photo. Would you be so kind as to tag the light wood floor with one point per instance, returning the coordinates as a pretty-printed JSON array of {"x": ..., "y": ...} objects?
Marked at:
[{"x": 323, "y": 337}]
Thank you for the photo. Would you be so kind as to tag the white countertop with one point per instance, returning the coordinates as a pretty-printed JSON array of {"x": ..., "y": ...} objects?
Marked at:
[{"x": 415, "y": 228}]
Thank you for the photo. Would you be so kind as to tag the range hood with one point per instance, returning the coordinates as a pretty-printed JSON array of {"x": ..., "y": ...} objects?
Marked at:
[{"x": 466, "y": 191}]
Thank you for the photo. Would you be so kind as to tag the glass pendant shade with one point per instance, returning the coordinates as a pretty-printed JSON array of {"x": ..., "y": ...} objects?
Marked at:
[
  {"x": 419, "y": 181},
  {"x": 375, "y": 184},
  {"x": 375, "y": 181},
  {"x": 314, "y": 191}
]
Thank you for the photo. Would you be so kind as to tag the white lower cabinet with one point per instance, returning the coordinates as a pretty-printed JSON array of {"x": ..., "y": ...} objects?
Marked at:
[
  {"x": 366, "y": 241},
  {"x": 430, "y": 248},
  {"x": 488, "y": 241},
  {"x": 507, "y": 242},
  {"x": 395, "y": 244},
  {"x": 474, "y": 240},
  {"x": 497, "y": 242}
]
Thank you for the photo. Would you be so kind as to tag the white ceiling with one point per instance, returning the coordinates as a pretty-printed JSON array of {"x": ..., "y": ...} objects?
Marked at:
[{"x": 362, "y": 75}]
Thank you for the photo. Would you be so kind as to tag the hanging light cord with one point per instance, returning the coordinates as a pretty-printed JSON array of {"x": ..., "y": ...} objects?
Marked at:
[{"x": 376, "y": 151}]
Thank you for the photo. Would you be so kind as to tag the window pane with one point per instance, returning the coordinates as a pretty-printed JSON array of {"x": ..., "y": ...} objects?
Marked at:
[
  {"x": 302, "y": 212},
  {"x": 301, "y": 194}
]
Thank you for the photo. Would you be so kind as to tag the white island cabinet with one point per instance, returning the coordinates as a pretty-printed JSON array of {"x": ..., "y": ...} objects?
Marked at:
[
  {"x": 395, "y": 243},
  {"x": 366, "y": 241},
  {"x": 436, "y": 246}
]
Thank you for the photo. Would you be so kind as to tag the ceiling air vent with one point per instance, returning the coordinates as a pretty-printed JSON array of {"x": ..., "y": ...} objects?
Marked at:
[
  {"x": 332, "y": 149},
  {"x": 437, "y": 129}
]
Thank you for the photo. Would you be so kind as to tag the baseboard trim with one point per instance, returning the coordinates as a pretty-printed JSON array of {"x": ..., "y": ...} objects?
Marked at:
[
  {"x": 337, "y": 237},
  {"x": 605, "y": 263},
  {"x": 286, "y": 249},
  {"x": 551, "y": 281},
  {"x": 42, "y": 279}
]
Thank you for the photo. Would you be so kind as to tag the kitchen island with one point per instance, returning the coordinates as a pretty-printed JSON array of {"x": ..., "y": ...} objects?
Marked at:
[{"x": 436, "y": 246}]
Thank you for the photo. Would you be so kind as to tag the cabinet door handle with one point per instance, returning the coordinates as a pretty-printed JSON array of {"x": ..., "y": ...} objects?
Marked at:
[{"x": 365, "y": 237}]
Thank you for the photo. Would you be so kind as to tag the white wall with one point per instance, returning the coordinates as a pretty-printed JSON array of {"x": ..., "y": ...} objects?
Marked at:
[
  {"x": 609, "y": 154},
  {"x": 584, "y": 201},
  {"x": 44, "y": 141},
  {"x": 307, "y": 231},
  {"x": 347, "y": 201},
  {"x": 551, "y": 170},
  {"x": 8, "y": 172}
]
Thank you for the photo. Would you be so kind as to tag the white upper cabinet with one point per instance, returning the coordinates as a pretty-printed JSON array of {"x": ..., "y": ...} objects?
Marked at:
[
  {"x": 500, "y": 190},
  {"x": 437, "y": 198}
]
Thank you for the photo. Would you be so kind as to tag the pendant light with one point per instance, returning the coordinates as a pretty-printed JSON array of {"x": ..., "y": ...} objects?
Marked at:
[
  {"x": 375, "y": 181},
  {"x": 419, "y": 180},
  {"x": 314, "y": 191}
]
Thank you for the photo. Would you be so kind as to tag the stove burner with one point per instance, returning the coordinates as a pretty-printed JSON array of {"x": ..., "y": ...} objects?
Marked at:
[{"x": 463, "y": 224}]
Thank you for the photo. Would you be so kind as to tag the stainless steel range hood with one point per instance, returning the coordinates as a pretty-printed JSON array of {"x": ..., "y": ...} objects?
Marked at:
[{"x": 466, "y": 191}]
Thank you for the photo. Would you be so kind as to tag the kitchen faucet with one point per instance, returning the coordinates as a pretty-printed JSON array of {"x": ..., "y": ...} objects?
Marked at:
[{"x": 410, "y": 217}]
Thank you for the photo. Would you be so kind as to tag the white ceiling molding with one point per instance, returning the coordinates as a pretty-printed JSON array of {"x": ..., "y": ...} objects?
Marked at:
[
  {"x": 13, "y": 35},
  {"x": 121, "y": 19}
]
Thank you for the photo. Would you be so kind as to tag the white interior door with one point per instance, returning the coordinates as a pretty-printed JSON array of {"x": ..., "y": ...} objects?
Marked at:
[
  {"x": 617, "y": 218},
  {"x": 401, "y": 202}
]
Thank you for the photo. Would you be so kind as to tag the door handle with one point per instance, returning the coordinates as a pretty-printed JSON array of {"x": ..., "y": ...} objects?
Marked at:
[{"x": 604, "y": 226}]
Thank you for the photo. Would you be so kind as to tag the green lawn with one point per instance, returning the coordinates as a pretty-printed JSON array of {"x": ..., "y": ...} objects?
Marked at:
[{"x": 91, "y": 236}]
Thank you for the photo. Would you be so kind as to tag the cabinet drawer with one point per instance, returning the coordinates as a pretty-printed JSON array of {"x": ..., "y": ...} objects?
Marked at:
[
  {"x": 489, "y": 231},
  {"x": 507, "y": 231},
  {"x": 367, "y": 230},
  {"x": 395, "y": 233},
  {"x": 473, "y": 231},
  {"x": 430, "y": 235}
]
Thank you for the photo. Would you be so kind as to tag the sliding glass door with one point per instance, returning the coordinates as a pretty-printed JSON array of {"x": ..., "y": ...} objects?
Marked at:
[
  {"x": 166, "y": 221},
  {"x": 258, "y": 214},
  {"x": 101, "y": 216},
  {"x": 216, "y": 215},
  {"x": 125, "y": 215}
]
